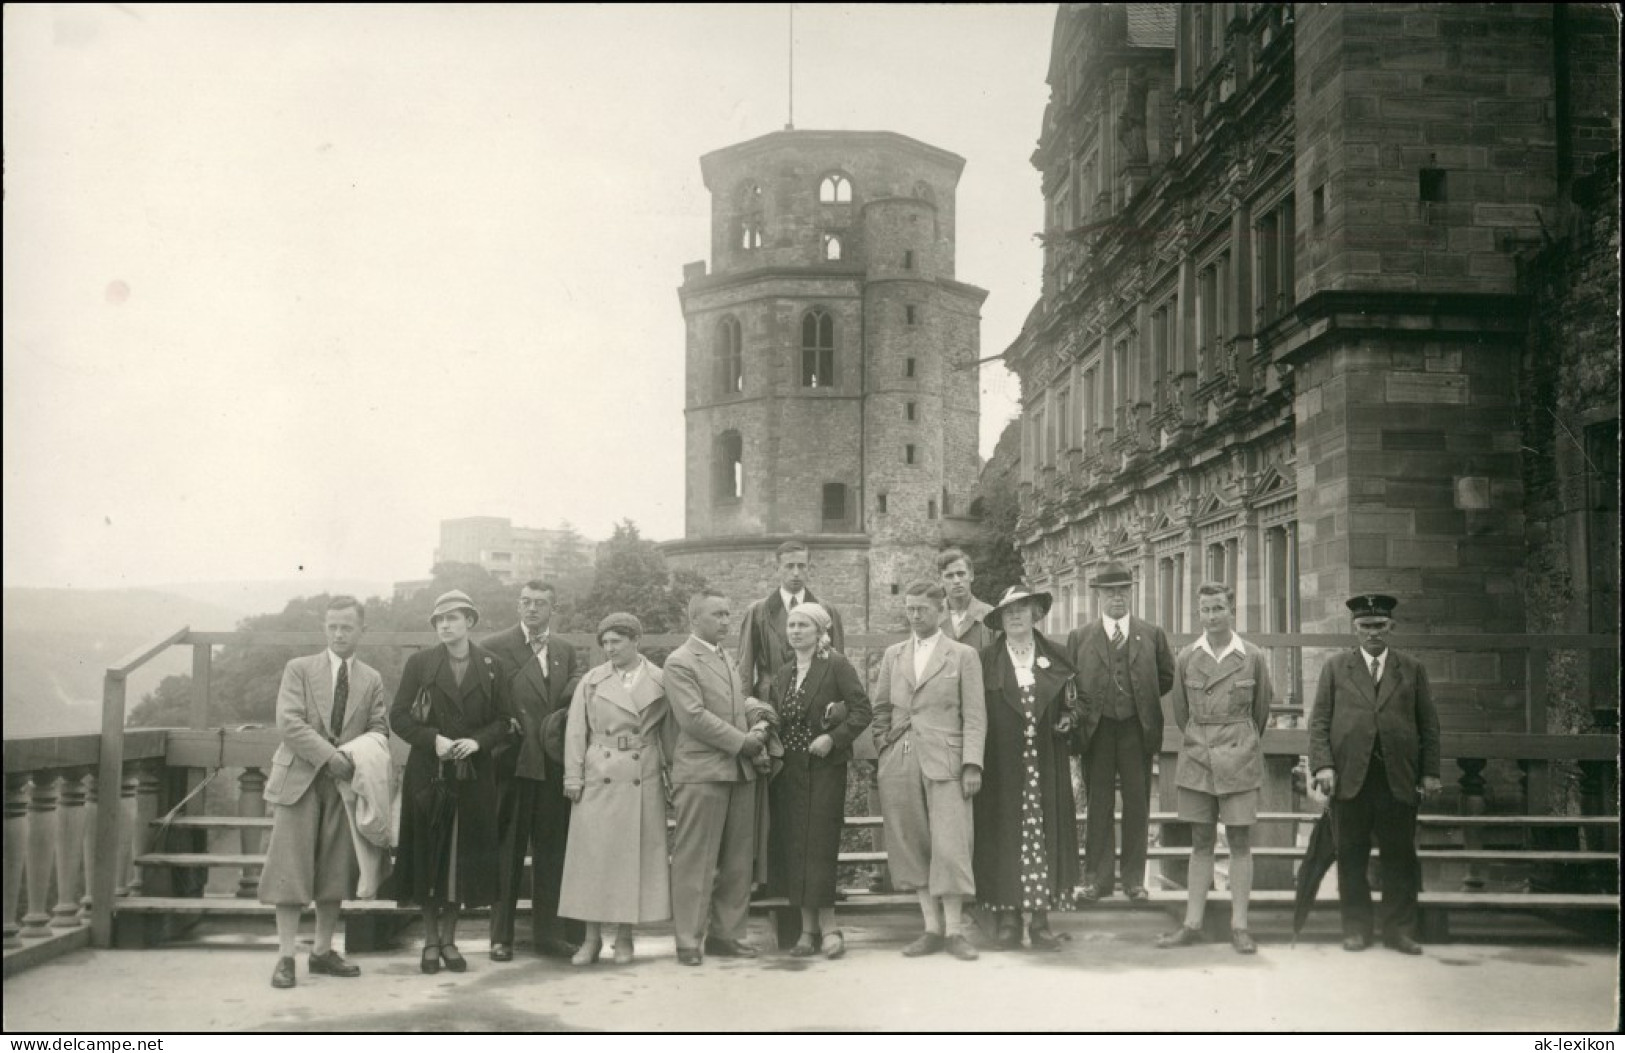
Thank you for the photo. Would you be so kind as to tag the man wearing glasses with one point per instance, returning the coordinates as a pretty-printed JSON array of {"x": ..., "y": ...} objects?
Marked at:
[{"x": 1374, "y": 748}]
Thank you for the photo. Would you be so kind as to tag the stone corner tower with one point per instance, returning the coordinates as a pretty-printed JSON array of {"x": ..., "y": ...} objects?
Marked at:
[{"x": 831, "y": 393}]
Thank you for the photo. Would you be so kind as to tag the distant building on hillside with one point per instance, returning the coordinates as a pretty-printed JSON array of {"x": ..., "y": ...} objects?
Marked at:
[{"x": 510, "y": 553}]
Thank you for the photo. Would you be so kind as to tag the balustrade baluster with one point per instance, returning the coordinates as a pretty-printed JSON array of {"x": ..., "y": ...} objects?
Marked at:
[
  {"x": 90, "y": 844},
  {"x": 126, "y": 834},
  {"x": 70, "y": 836},
  {"x": 146, "y": 810},
  {"x": 41, "y": 839},
  {"x": 16, "y": 850},
  {"x": 1472, "y": 803},
  {"x": 251, "y": 804}
]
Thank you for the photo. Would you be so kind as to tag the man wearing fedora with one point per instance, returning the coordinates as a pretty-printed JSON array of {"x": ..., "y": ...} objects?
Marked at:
[
  {"x": 533, "y": 815},
  {"x": 1374, "y": 748},
  {"x": 326, "y": 700},
  {"x": 1124, "y": 667}
]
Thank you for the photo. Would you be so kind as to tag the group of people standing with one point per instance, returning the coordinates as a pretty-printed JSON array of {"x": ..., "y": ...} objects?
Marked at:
[{"x": 518, "y": 753}]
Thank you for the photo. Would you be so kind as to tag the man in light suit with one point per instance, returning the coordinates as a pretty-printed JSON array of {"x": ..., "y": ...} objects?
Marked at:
[
  {"x": 325, "y": 701},
  {"x": 1124, "y": 667},
  {"x": 533, "y": 815},
  {"x": 1372, "y": 734},
  {"x": 930, "y": 726},
  {"x": 763, "y": 644},
  {"x": 962, "y": 618},
  {"x": 713, "y": 782}
]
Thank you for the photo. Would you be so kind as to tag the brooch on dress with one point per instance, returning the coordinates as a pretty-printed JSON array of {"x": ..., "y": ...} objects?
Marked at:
[{"x": 1043, "y": 663}]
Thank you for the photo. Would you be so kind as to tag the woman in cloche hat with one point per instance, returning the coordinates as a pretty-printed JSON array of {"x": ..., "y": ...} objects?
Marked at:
[
  {"x": 452, "y": 708},
  {"x": 1026, "y": 848}
]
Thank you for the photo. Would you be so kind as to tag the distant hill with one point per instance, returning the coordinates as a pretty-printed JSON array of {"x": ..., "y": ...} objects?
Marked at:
[{"x": 59, "y": 642}]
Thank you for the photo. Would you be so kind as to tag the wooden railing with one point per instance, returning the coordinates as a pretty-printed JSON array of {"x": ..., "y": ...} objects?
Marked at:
[{"x": 63, "y": 831}]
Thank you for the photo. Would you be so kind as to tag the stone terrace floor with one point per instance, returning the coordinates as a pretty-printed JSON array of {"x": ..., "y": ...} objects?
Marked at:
[{"x": 1527, "y": 977}]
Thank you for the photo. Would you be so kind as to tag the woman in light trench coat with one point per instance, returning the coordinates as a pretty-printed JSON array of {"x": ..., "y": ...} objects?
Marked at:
[{"x": 618, "y": 736}]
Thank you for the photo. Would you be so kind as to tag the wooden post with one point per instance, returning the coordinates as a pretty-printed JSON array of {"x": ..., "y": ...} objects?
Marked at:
[
  {"x": 70, "y": 839},
  {"x": 41, "y": 835},
  {"x": 109, "y": 775},
  {"x": 202, "y": 675},
  {"x": 16, "y": 814},
  {"x": 128, "y": 879},
  {"x": 251, "y": 804}
]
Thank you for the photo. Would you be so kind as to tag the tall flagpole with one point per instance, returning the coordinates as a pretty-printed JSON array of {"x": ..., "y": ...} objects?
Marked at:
[{"x": 790, "y": 124}]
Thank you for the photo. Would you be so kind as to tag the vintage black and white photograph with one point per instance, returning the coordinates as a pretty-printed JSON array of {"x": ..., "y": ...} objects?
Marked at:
[{"x": 760, "y": 518}]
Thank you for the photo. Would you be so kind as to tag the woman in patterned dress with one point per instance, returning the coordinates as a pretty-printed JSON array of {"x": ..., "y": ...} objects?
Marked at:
[
  {"x": 1026, "y": 846},
  {"x": 822, "y": 707}
]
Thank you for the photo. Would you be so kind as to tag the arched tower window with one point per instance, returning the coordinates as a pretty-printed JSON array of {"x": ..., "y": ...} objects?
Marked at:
[
  {"x": 817, "y": 349},
  {"x": 832, "y": 246},
  {"x": 728, "y": 467},
  {"x": 748, "y": 206},
  {"x": 730, "y": 357},
  {"x": 835, "y": 189}
]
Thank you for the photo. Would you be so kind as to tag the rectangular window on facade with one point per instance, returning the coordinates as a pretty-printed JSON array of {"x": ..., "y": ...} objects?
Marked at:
[
  {"x": 1431, "y": 184},
  {"x": 930, "y": 508},
  {"x": 908, "y": 453},
  {"x": 1063, "y": 419},
  {"x": 834, "y": 502},
  {"x": 909, "y": 411},
  {"x": 880, "y": 504},
  {"x": 908, "y": 368},
  {"x": 911, "y": 315},
  {"x": 908, "y": 259},
  {"x": 1089, "y": 404},
  {"x": 1320, "y": 205}
]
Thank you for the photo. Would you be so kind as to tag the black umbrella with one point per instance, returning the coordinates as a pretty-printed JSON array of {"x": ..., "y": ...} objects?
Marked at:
[{"x": 1318, "y": 858}]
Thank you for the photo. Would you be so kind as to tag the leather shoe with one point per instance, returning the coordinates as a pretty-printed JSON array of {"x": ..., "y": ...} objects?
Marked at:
[
  {"x": 502, "y": 952},
  {"x": 927, "y": 943},
  {"x": 960, "y": 947},
  {"x": 1355, "y": 943},
  {"x": 1042, "y": 938},
  {"x": 1242, "y": 941},
  {"x": 721, "y": 948},
  {"x": 689, "y": 956},
  {"x": 1403, "y": 944},
  {"x": 453, "y": 958},
  {"x": 554, "y": 947},
  {"x": 282, "y": 975},
  {"x": 1138, "y": 894},
  {"x": 1184, "y": 936},
  {"x": 332, "y": 964}
]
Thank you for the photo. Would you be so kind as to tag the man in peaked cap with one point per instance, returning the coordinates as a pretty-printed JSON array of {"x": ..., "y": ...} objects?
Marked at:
[
  {"x": 1374, "y": 748},
  {"x": 1124, "y": 667}
]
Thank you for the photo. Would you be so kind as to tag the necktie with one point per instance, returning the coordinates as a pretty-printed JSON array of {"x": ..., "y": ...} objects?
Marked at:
[
  {"x": 793, "y": 601},
  {"x": 1376, "y": 669},
  {"x": 341, "y": 695},
  {"x": 538, "y": 642},
  {"x": 1117, "y": 636}
]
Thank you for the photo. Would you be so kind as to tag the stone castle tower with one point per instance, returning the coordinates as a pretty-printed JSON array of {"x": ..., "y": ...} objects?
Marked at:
[{"x": 831, "y": 393}]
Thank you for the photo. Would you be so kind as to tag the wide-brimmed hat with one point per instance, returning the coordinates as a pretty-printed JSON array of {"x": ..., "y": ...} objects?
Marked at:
[
  {"x": 455, "y": 600},
  {"x": 1111, "y": 575},
  {"x": 994, "y": 619}
]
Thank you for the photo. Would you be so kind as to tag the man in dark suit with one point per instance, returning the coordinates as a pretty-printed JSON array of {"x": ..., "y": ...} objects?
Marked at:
[
  {"x": 713, "y": 782},
  {"x": 763, "y": 645},
  {"x": 533, "y": 815},
  {"x": 1124, "y": 667},
  {"x": 1372, "y": 732},
  {"x": 326, "y": 700}
]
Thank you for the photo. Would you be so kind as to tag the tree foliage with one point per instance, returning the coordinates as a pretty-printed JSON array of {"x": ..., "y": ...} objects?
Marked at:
[
  {"x": 631, "y": 576},
  {"x": 998, "y": 562}
]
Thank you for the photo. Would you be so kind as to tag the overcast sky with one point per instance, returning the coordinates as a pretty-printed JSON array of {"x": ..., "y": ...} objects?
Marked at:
[{"x": 286, "y": 286}]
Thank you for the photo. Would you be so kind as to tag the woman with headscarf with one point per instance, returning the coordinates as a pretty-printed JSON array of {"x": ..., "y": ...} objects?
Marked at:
[
  {"x": 821, "y": 707},
  {"x": 1026, "y": 845},
  {"x": 452, "y": 709},
  {"x": 617, "y": 748}
]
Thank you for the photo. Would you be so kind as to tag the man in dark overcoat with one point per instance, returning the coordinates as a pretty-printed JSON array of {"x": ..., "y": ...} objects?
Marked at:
[
  {"x": 763, "y": 644},
  {"x": 533, "y": 815},
  {"x": 963, "y": 613},
  {"x": 1124, "y": 667},
  {"x": 1374, "y": 748}
]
